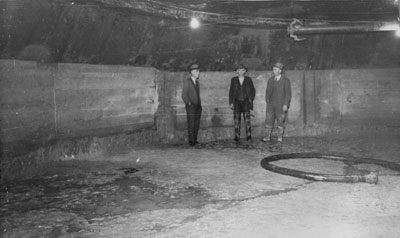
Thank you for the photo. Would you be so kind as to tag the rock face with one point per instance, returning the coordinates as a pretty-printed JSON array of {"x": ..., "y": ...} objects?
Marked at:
[{"x": 49, "y": 31}]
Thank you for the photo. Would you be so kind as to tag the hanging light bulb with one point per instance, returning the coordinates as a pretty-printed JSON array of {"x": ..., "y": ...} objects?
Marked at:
[{"x": 194, "y": 23}]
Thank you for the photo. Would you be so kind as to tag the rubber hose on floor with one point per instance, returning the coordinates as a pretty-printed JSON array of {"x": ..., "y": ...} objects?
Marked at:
[{"x": 368, "y": 178}]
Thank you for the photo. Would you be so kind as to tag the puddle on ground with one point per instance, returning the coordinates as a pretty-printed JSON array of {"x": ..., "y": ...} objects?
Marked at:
[
  {"x": 96, "y": 195},
  {"x": 44, "y": 202}
]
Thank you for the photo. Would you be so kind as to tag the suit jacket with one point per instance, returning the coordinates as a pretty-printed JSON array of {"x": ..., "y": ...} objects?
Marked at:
[
  {"x": 191, "y": 93},
  {"x": 278, "y": 93},
  {"x": 248, "y": 89}
]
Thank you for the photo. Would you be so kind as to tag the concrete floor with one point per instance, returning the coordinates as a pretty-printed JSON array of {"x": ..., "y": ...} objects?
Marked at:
[{"x": 216, "y": 190}]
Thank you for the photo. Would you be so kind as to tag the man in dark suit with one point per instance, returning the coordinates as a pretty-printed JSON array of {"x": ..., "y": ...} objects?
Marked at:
[
  {"x": 241, "y": 97},
  {"x": 191, "y": 98},
  {"x": 277, "y": 96}
]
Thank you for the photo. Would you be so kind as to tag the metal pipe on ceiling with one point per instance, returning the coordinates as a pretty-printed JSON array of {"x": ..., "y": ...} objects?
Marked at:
[
  {"x": 296, "y": 27},
  {"x": 379, "y": 26}
]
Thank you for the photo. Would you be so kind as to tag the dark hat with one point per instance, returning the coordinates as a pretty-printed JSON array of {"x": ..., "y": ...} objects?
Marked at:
[
  {"x": 278, "y": 65},
  {"x": 193, "y": 67},
  {"x": 241, "y": 66}
]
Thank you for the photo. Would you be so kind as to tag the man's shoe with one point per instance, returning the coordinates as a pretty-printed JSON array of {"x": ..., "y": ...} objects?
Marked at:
[
  {"x": 248, "y": 138},
  {"x": 237, "y": 139}
]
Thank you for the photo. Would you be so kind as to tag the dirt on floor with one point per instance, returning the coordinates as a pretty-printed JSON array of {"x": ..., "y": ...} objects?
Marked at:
[{"x": 216, "y": 189}]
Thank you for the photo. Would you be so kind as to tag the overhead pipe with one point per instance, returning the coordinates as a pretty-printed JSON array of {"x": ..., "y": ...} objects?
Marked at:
[
  {"x": 296, "y": 27},
  {"x": 168, "y": 10}
]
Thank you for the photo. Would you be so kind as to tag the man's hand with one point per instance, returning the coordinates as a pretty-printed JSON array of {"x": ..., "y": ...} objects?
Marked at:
[
  {"x": 231, "y": 106},
  {"x": 284, "y": 108}
]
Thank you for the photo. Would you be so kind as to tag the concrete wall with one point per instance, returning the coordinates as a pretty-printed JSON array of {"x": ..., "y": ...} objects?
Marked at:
[
  {"x": 41, "y": 103},
  {"x": 322, "y": 102},
  {"x": 27, "y": 102},
  {"x": 101, "y": 100},
  {"x": 360, "y": 96},
  {"x": 44, "y": 102},
  {"x": 62, "y": 111}
]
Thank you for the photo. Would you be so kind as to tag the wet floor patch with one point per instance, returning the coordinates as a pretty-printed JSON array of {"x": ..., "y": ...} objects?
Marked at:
[
  {"x": 96, "y": 195},
  {"x": 85, "y": 195}
]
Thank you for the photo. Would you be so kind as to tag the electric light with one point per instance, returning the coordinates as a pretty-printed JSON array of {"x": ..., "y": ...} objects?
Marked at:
[{"x": 194, "y": 23}]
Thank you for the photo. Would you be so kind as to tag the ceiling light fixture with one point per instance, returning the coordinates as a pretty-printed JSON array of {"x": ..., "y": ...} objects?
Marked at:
[{"x": 194, "y": 23}]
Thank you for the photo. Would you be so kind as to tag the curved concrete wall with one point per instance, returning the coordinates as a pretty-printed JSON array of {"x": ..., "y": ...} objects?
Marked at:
[
  {"x": 70, "y": 106},
  {"x": 41, "y": 103},
  {"x": 322, "y": 102}
]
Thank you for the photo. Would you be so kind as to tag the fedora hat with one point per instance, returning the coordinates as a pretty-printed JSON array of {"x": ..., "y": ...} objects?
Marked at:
[
  {"x": 278, "y": 65},
  {"x": 241, "y": 66},
  {"x": 193, "y": 67}
]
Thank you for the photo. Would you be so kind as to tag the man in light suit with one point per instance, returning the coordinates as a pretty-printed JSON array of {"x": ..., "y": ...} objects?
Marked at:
[
  {"x": 277, "y": 98},
  {"x": 191, "y": 98}
]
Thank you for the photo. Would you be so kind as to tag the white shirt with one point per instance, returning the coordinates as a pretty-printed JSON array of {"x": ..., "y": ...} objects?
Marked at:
[
  {"x": 241, "y": 80},
  {"x": 278, "y": 77},
  {"x": 194, "y": 80}
]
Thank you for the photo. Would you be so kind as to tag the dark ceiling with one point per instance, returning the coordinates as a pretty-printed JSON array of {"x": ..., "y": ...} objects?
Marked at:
[
  {"x": 259, "y": 13},
  {"x": 331, "y": 10},
  {"x": 333, "y": 33}
]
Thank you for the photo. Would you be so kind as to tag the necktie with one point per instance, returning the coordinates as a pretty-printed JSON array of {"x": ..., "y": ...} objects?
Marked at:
[
  {"x": 198, "y": 91},
  {"x": 197, "y": 86}
]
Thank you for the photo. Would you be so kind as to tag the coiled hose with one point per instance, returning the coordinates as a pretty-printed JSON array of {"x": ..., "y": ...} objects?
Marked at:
[{"x": 351, "y": 160}]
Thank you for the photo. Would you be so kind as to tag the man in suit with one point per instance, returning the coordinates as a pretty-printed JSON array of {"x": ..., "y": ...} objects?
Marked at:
[
  {"x": 241, "y": 97},
  {"x": 277, "y": 96},
  {"x": 191, "y": 98}
]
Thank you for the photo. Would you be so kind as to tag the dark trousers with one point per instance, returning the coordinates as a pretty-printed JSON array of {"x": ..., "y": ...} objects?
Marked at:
[
  {"x": 242, "y": 108},
  {"x": 193, "y": 114}
]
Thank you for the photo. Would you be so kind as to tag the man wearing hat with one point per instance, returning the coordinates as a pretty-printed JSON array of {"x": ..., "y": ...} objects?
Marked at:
[
  {"x": 241, "y": 96},
  {"x": 277, "y": 97},
  {"x": 191, "y": 98}
]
